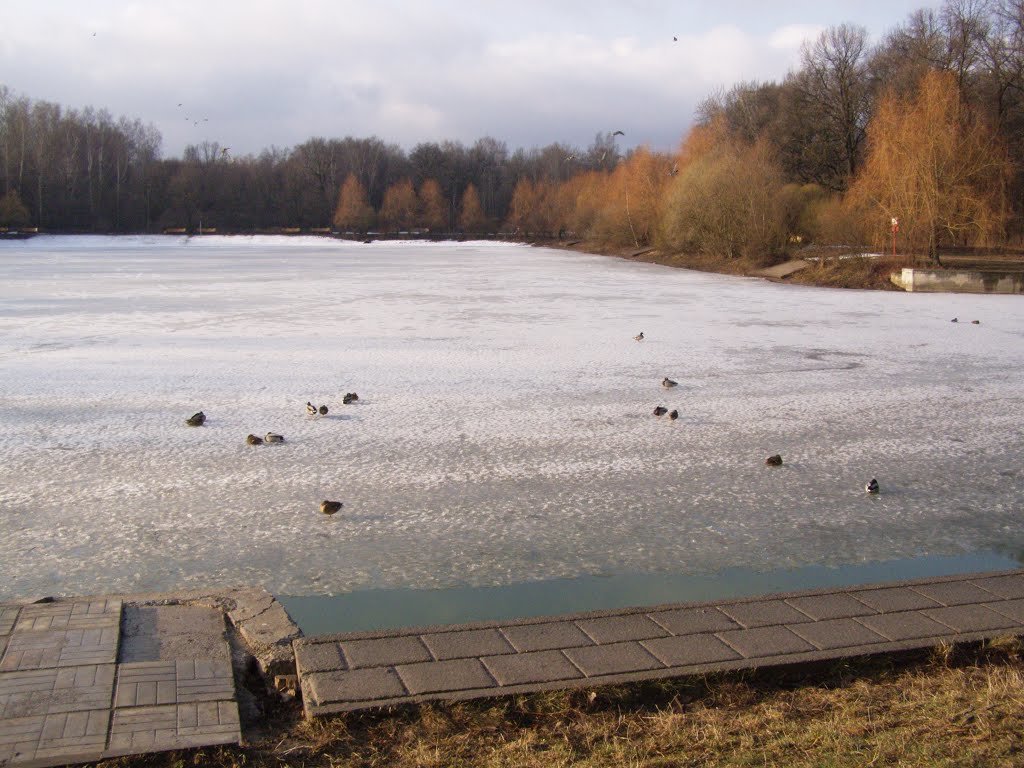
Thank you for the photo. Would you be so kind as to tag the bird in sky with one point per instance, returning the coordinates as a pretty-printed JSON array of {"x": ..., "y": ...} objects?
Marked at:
[
  {"x": 618, "y": 133},
  {"x": 225, "y": 150},
  {"x": 675, "y": 39}
]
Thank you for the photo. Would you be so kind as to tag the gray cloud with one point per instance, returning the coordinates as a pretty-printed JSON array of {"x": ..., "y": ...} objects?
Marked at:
[{"x": 269, "y": 73}]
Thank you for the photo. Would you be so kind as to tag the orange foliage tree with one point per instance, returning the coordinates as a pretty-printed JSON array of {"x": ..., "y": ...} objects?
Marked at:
[
  {"x": 433, "y": 208},
  {"x": 630, "y": 199},
  {"x": 353, "y": 212},
  {"x": 934, "y": 166},
  {"x": 471, "y": 212},
  {"x": 398, "y": 211}
]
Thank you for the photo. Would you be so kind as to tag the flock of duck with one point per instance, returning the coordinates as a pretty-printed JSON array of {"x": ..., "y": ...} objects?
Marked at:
[
  {"x": 771, "y": 461},
  {"x": 327, "y": 507}
]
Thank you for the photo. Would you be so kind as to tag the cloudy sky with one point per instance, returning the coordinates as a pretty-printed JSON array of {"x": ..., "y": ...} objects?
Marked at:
[{"x": 258, "y": 73}]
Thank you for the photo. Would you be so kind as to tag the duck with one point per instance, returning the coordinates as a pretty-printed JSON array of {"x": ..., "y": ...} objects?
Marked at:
[
  {"x": 954, "y": 320},
  {"x": 323, "y": 410},
  {"x": 350, "y": 397},
  {"x": 774, "y": 461},
  {"x": 196, "y": 419},
  {"x": 872, "y": 487},
  {"x": 660, "y": 410},
  {"x": 253, "y": 440},
  {"x": 639, "y": 336},
  {"x": 673, "y": 414},
  {"x": 310, "y": 408},
  {"x": 667, "y": 383},
  {"x": 330, "y": 507},
  {"x": 271, "y": 437},
  {"x": 975, "y": 322}
]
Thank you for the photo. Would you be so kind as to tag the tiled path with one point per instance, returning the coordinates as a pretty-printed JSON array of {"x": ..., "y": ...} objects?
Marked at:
[
  {"x": 356, "y": 671},
  {"x": 88, "y": 679}
]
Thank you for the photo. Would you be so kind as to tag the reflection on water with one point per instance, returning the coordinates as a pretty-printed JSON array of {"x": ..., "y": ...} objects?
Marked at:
[{"x": 393, "y": 608}]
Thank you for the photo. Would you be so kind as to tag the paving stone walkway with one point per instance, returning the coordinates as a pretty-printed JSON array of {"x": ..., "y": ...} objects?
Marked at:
[
  {"x": 373, "y": 669},
  {"x": 82, "y": 680}
]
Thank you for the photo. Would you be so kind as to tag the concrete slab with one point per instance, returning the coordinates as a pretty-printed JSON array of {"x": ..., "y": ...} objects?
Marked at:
[
  {"x": 690, "y": 650},
  {"x": 895, "y": 599},
  {"x": 545, "y": 636},
  {"x": 971, "y": 618},
  {"x": 1009, "y": 586},
  {"x": 168, "y": 632},
  {"x": 467, "y": 644},
  {"x": 385, "y": 652},
  {"x": 1012, "y": 608},
  {"x": 53, "y": 690},
  {"x": 532, "y": 667},
  {"x": 319, "y": 657},
  {"x": 764, "y": 613},
  {"x": 837, "y": 633},
  {"x": 830, "y": 606},
  {"x": 8, "y": 616},
  {"x": 442, "y": 676},
  {"x": 614, "y": 659},
  {"x": 59, "y": 648},
  {"x": 358, "y": 685},
  {"x": 617, "y": 629},
  {"x": 690, "y": 621},
  {"x": 765, "y": 641},
  {"x": 955, "y": 593},
  {"x": 904, "y": 626}
]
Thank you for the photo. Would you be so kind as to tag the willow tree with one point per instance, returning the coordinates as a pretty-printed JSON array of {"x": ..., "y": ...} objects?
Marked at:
[{"x": 934, "y": 166}]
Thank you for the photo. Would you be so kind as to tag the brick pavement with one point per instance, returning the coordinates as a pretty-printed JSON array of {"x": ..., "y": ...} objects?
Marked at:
[
  {"x": 375, "y": 669},
  {"x": 68, "y": 695}
]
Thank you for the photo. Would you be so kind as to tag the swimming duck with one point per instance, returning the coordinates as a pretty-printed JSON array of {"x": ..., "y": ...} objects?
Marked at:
[
  {"x": 330, "y": 507},
  {"x": 673, "y": 414},
  {"x": 774, "y": 461},
  {"x": 872, "y": 487},
  {"x": 667, "y": 383},
  {"x": 196, "y": 419},
  {"x": 323, "y": 410},
  {"x": 253, "y": 440},
  {"x": 310, "y": 408},
  {"x": 271, "y": 437},
  {"x": 639, "y": 336},
  {"x": 660, "y": 410}
]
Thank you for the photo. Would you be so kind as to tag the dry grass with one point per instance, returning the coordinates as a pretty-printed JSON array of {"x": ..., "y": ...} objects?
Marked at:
[{"x": 960, "y": 706}]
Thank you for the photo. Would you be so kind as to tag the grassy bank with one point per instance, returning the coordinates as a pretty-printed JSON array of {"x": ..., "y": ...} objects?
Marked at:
[
  {"x": 832, "y": 268},
  {"x": 961, "y": 706}
]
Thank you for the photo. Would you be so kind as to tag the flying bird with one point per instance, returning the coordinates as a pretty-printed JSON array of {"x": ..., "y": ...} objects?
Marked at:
[
  {"x": 675, "y": 39},
  {"x": 618, "y": 133}
]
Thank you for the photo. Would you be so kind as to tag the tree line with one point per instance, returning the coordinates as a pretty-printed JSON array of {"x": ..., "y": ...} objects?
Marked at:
[{"x": 924, "y": 128}]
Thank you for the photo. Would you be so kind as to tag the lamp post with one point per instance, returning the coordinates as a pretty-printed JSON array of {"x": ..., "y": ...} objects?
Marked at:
[{"x": 895, "y": 229}]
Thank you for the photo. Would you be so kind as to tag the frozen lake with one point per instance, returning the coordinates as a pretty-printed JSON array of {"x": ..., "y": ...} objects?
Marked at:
[{"x": 504, "y": 431}]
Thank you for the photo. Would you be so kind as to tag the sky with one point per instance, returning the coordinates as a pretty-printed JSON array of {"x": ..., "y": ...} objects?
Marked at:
[{"x": 256, "y": 74}]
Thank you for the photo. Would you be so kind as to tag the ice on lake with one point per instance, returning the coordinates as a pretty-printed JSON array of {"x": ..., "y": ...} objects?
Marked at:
[{"x": 504, "y": 431}]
